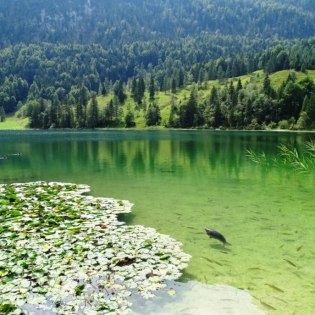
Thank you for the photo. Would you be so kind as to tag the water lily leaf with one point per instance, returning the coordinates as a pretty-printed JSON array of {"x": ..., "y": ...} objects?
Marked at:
[
  {"x": 6, "y": 308},
  {"x": 65, "y": 247}
]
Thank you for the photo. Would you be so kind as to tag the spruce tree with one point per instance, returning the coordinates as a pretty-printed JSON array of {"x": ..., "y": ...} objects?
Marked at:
[
  {"x": 189, "y": 112},
  {"x": 130, "y": 119},
  {"x": 151, "y": 89},
  {"x": 119, "y": 91},
  {"x": 141, "y": 89},
  {"x": 109, "y": 114},
  {"x": 173, "y": 86},
  {"x": 53, "y": 112},
  {"x": 93, "y": 115},
  {"x": 239, "y": 85},
  {"x": 214, "y": 99},
  {"x": 134, "y": 88},
  {"x": 173, "y": 120},
  {"x": 103, "y": 90},
  {"x": 267, "y": 85},
  {"x": 153, "y": 115},
  {"x": 2, "y": 114}
]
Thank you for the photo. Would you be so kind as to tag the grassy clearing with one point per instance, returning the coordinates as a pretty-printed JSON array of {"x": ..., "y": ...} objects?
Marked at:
[
  {"x": 14, "y": 123},
  {"x": 278, "y": 77}
]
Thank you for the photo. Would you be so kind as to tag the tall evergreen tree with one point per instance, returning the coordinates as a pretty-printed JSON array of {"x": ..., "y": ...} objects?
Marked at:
[
  {"x": 109, "y": 113},
  {"x": 2, "y": 114},
  {"x": 173, "y": 120},
  {"x": 141, "y": 89},
  {"x": 81, "y": 107},
  {"x": 174, "y": 86},
  {"x": 151, "y": 88},
  {"x": 93, "y": 114},
  {"x": 130, "y": 119},
  {"x": 189, "y": 112},
  {"x": 153, "y": 115},
  {"x": 134, "y": 88},
  {"x": 53, "y": 112},
  {"x": 267, "y": 86},
  {"x": 119, "y": 91}
]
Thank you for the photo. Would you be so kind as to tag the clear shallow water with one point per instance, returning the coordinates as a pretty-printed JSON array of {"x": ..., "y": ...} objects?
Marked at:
[
  {"x": 203, "y": 299},
  {"x": 184, "y": 181}
]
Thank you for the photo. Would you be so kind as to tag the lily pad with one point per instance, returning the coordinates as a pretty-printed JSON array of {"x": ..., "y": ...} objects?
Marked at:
[{"x": 63, "y": 252}]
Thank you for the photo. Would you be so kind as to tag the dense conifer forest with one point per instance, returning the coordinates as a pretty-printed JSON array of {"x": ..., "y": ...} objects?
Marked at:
[{"x": 58, "y": 57}]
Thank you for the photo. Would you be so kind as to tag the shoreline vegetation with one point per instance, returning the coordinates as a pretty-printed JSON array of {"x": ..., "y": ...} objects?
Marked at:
[
  {"x": 298, "y": 159},
  {"x": 65, "y": 252},
  {"x": 280, "y": 101}
]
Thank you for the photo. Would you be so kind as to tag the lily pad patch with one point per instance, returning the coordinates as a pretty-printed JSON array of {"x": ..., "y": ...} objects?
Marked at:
[{"x": 62, "y": 252}]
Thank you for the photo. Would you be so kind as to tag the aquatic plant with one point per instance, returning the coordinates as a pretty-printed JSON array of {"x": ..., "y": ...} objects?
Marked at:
[
  {"x": 67, "y": 253},
  {"x": 258, "y": 158},
  {"x": 297, "y": 159}
]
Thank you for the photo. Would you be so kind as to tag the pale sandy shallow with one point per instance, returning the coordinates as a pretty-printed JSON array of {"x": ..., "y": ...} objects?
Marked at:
[{"x": 194, "y": 298}]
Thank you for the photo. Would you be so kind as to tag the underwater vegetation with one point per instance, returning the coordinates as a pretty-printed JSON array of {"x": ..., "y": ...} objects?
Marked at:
[
  {"x": 63, "y": 252},
  {"x": 298, "y": 159}
]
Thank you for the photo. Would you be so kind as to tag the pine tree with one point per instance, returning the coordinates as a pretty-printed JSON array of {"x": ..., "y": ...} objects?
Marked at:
[
  {"x": 189, "y": 112},
  {"x": 103, "y": 90},
  {"x": 81, "y": 107},
  {"x": 141, "y": 89},
  {"x": 93, "y": 115},
  {"x": 214, "y": 99},
  {"x": 33, "y": 92},
  {"x": 53, "y": 112},
  {"x": 35, "y": 111},
  {"x": 151, "y": 89},
  {"x": 181, "y": 78},
  {"x": 134, "y": 88},
  {"x": 79, "y": 115},
  {"x": 232, "y": 95},
  {"x": 239, "y": 85},
  {"x": 174, "y": 85},
  {"x": 109, "y": 114},
  {"x": 173, "y": 120},
  {"x": 2, "y": 114},
  {"x": 119, "y": 91},
  {"x": 65, "y": 120},
  {"x": 309, "y": 108},
  {"x": 153, "y": 115},
  {"x": 267, "y": 86},
  {"x": 130, "y": 119}
]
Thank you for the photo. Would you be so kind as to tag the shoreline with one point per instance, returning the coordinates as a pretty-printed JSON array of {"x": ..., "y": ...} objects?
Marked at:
[{"x": 96, "y": 130}]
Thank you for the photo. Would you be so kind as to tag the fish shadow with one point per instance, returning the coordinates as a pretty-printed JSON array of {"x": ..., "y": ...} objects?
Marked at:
[{"x": 222, "y": 248}]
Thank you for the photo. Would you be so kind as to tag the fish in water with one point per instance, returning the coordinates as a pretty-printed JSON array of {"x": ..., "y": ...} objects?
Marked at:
[{"x": 217, "y": 235}]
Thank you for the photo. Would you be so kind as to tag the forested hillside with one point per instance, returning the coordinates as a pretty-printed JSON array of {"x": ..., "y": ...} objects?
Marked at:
[
  {"x": 50, "y": 50},
  {"x": 119, "y": 22}
]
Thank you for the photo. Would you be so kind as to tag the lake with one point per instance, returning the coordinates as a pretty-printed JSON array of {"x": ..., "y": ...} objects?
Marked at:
[{"x": 184, "y": 181}]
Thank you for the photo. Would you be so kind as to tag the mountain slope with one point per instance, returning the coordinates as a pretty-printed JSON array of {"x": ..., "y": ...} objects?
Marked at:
[
  {"x": 118, "y": 22},
  {"x": 50, "y": 50}
]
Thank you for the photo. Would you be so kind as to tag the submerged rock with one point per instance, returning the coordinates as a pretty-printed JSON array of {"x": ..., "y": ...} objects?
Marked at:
[
  {"x": 193, "y": 298},
  {"x": 62, "y": 252}
]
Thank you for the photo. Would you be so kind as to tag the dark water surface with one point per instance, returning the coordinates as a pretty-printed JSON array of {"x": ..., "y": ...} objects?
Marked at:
[{"x": 184, "y": 181}]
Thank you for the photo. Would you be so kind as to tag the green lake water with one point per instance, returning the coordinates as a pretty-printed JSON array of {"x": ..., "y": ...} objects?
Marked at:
[{"x": 184, "y": 181}]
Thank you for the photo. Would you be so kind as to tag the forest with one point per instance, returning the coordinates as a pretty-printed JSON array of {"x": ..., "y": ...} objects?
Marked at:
[{"x": 57, "y": 57}]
